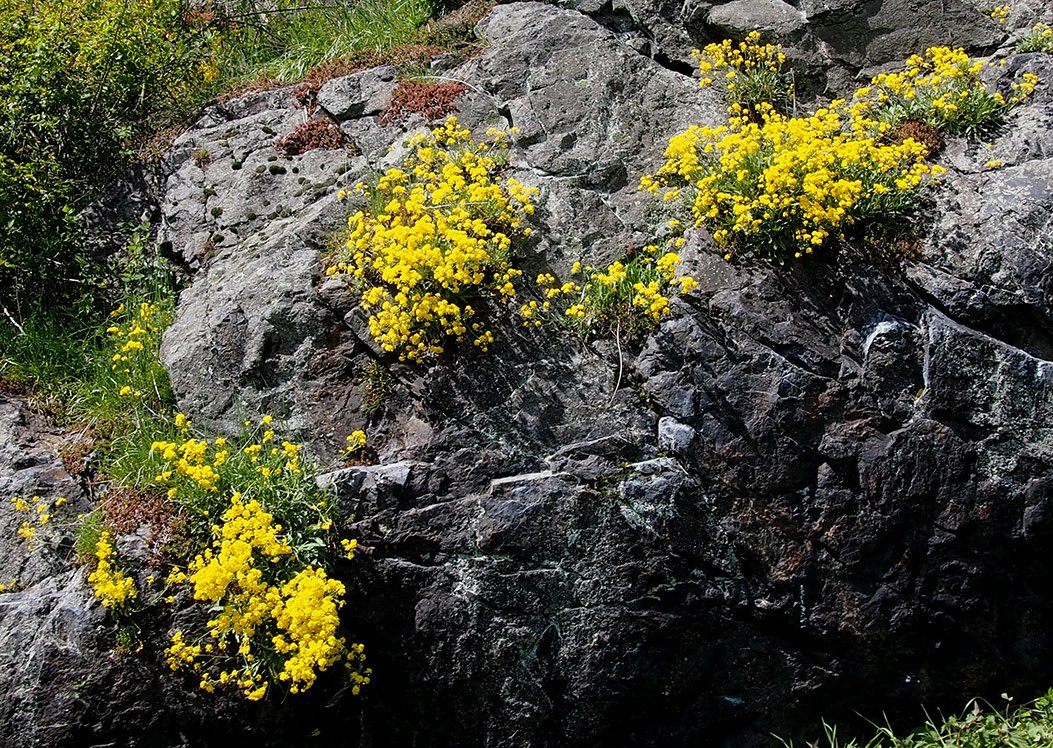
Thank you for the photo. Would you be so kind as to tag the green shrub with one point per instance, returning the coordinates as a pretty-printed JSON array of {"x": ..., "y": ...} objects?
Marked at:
[
  {"x": 944, "y": 89},
  {"x": 284, "y": 40},
  {"x": 787, "y": 185},
  {"x": 80, "y": 82},
  {"x": 625, "y": 300},
  {"x": 88, "y": 531}
]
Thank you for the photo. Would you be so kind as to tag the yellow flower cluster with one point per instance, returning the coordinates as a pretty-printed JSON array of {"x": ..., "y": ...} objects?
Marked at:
[
  {"x": 750, "y": 72},
  {"x": 192, "y": 469},
  {"x": 41, "y": 512},
  {"x": 111, "y": 586},
  {"x": 1039, "y": 39},
  {"x": 274, "y": 620},
  {"x": 135, "y": 334},
  {"x": 246, "y": 530},
  {"x": 776, "y": 183},
  {"x": 356, "y": 440},
  {"x": 626, "y": 299},
  {"x": 306, "y": 614},
  {"x": 437, "y": 235},
  {"x": 1000, "y": 13},
  {"x": 349, "y": 546},
  {"x": 190, "y": 460},
  {"x": 943, "y": 88},
  {"x": 789, "y": 181}
]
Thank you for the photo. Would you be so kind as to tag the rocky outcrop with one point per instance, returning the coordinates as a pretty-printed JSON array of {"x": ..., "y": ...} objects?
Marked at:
[
  {"x": 814, "y": 490},
  {"x": 830, "y": 40},
  {"x": 594, "y": 115}
]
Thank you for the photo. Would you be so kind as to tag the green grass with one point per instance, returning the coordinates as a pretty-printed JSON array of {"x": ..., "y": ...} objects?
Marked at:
[
  {"x": 286, "y": 43},
  {"x": 89, "y": 530},
  {"x": 980, "y": 725}
]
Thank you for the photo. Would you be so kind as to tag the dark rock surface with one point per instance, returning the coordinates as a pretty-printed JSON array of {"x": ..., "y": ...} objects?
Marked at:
[
  {"x": 815, "y": 490},
  {"x": 830, "y": 40},
  {"x": 818, "y": 489}
]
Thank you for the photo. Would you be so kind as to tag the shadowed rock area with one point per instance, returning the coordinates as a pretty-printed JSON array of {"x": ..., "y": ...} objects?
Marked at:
[{"x": 814, "y": 490}]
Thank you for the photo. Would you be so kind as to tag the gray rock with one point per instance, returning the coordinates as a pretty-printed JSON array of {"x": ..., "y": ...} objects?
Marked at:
[
  {"x": 369, "y": 488},
  {"x": 252, "y": 335},
  {"x": 868, "y": 35},
  {"x": 854, "y": 511},
  {"x": 364, "y": 94},
  {"x": 48, "y": 640},
  {"x": 30, "y": 466},
  {"x": 674, "y": 437},
  {"x": 739, "y": 17}
]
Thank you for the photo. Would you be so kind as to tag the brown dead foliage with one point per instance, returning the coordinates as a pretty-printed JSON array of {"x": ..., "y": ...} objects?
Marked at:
[
  {"x": 11, "y": 387},
  {"x": 430, "y": 100},
  {"x": 920, "y": 132},
  {"x": 127, "y": 508},
  {"x": 76, "y": 454},
  {"x": 317, "y": 133}
]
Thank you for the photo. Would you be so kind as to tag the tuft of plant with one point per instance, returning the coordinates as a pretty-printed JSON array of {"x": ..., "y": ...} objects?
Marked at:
[
  {"x": 112, "y": 586},
  {"x": 786, "y": 185},
  {"x": 432, "y": 242},
  {"x": 39, "y": 513},
  {"x": 259, "y": 534},
  {"x": 1038, "y": 39},
  {"x": 316, "y": 133},
  {"x": 89, "y": 529},
  {"x": 136, "y": 374},
  {"x": 625, "y": 300},
  {"x": 356, "y": 451},
  {"x": 379, "y": 387},
  {"x": 978, "y": 726},
  {"x": 274, "y": 616},
  {"x": 750, "y": 73},
  {"x": 943, "y": 88},
  {"x": 1000, "y": 13},
  {"x": 430, "y": 100}
]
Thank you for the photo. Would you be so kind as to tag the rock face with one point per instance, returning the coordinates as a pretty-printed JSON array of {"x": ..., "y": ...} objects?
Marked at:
[
  {"x": 831, "y": 40},
  {"x": 815, "y": 490},
  {"x": 594, "y": 116}
]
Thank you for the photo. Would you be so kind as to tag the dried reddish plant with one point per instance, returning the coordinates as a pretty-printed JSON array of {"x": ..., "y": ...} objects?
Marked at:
[
  {"x": 433, "y": 101},
  {"x": 317, "y": 133},
  {"x": 920, "y": 132}
]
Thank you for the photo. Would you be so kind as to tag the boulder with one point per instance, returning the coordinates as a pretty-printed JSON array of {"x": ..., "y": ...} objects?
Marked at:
[{"x": 820, "y": 489}]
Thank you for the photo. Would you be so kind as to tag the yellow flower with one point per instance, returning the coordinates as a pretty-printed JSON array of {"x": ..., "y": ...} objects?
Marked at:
[
  {"x": 442, "y": 231},
  {"x": 355, "y": 441},
  {"x": 111, "y": 586}
]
